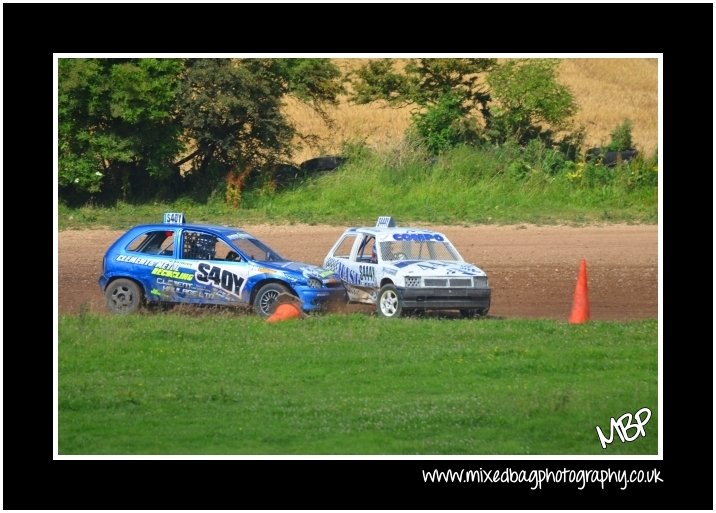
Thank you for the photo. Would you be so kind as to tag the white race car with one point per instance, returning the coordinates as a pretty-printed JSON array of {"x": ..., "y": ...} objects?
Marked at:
[{"x": 405, "y": 269}]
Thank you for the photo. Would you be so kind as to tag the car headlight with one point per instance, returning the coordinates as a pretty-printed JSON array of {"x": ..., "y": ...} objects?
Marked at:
[
  {"x": 315, "y": 283},
  {"x": 480, "y": 282}
]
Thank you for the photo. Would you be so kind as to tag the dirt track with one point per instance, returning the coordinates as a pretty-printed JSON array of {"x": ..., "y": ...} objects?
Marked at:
[{"x": 532, "y": 269}]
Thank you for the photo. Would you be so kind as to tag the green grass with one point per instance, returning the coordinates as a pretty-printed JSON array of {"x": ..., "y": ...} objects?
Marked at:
[
  {"x": 465, "y": 186},
  {"x": 171, "y": 383},
  {"x": 123, "y": 215}
]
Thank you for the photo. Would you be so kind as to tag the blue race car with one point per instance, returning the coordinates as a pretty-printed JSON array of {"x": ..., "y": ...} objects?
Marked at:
[{"x": 175, "y": 262}]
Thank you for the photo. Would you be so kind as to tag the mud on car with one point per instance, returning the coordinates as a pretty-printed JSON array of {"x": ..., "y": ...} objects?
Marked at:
[
  {"x": 176, "y": 262},
  {"x": 405, "y": 269}
]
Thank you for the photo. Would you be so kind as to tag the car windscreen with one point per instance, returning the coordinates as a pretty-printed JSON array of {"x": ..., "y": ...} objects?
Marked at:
[
  {"x": 418, "y": 250},
  {"x": 257, "y": 250}
]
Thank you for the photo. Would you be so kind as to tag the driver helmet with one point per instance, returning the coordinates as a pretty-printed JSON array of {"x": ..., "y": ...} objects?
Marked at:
[{"x": 373, "y": 254}]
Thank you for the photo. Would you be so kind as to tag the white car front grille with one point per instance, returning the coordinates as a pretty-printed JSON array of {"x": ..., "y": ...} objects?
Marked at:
[
  {"x": 448, "y": 282},
  {"x": 412, "y": 281},
  {"x": 476, "y": 281}
]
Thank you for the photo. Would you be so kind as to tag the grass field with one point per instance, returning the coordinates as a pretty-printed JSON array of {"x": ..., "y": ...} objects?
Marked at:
[
  {"x": 218, "y": 383},
  {"x": 607, "y": 91}
]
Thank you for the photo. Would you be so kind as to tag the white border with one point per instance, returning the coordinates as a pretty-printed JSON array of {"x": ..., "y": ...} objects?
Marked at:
[
  {"x": 55, "y": 258},
  {"x": 478, "y": 457}
]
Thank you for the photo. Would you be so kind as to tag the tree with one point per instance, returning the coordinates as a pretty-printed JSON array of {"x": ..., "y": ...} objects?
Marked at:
[
  {"x": 423, "y": 82},
  {"x": 446, "y": 93},
  {"x": 527, "y": 94},
  {"x": 461, "y": 100},
  {"x": 315, "y": 82},
  {"x": 439, "y": 125},
  {"x": 116, "y": 123},
  {"x": 127, "y": 125},
  {"x": 232, "y": 110}
]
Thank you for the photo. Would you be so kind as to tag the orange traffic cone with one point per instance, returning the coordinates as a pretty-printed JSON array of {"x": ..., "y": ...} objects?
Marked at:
[
  {"x": 580, "y": 306},
  {"x": 286, "y": 306},
  {"x": 283, "y": 312}
]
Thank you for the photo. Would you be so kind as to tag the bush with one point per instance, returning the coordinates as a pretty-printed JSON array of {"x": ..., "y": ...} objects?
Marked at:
[
  {"x": 640, "y": 172},
  {"x": 355, "y": 149},
  {"x": 597, "y": 175},
  {"x": 518, "y": 170},
  {"x": 443, "y": 126},
  {"x": 549, "y": 160},
  {"x": 621, "y": 137},
  {"x": 570, "y": 145}
]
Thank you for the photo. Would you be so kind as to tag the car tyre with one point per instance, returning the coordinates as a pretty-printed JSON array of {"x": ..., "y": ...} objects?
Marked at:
[
  {"x": 266, "y": 296},
  {"x": 389, "y": 303},
  {"x": 123, "y": 296}
]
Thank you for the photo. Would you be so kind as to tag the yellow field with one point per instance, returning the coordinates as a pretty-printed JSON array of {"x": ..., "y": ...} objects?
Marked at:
[{"x": 607, "y": 92}]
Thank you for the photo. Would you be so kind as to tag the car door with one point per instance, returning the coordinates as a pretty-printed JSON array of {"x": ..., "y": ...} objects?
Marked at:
[
  {"x": 219, "y": 271},
  {"x": 150, "y": 259},
  {"x": 365, "y": 260},
  {"x": 350, "y": 260}
]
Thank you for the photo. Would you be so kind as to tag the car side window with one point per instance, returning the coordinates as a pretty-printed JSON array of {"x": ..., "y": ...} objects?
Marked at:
[
  {"x": 367, "y": 251},
  {"x": 198, "y": 245},
  {"x": 343, "y": 250},
  {"x": 224, "y": 252},
  {"x": 158, "y": 242}
]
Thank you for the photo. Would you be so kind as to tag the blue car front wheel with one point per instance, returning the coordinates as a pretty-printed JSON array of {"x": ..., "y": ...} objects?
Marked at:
[{"x": 266, "y": 296}]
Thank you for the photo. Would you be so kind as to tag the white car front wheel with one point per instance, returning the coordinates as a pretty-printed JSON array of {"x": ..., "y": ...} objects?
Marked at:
[{"x": 389, "y": 304}]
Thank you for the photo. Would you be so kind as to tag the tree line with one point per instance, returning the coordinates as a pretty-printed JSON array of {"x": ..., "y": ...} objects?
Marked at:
[{"x": 136, "y": 129}]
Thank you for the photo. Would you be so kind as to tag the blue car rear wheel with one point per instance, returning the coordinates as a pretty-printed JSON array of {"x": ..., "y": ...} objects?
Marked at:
[{"x": 123, "y": 296}]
